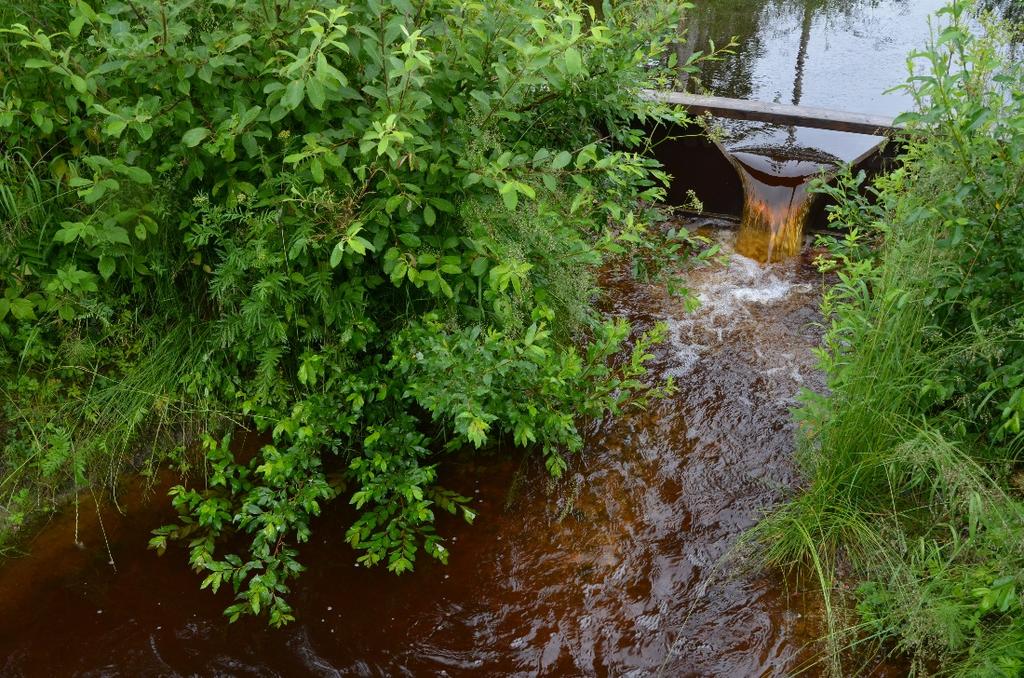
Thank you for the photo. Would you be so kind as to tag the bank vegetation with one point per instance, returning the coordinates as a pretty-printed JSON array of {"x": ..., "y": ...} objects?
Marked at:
[{"x": 915, "y": 489}]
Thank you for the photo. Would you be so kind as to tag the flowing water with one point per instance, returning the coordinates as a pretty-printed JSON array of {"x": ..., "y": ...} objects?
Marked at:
[
  {"x": 841, "y": 54},
  {"x": 617, "y": 569},
  {"x": 776, "y": 203},
  {"x": 622, "y": 568}
]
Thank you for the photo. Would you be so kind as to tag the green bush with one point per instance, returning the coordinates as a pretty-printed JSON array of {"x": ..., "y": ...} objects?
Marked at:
[
  {"x": 370, "y": 229},
  {"x": 913, "y": 457}
]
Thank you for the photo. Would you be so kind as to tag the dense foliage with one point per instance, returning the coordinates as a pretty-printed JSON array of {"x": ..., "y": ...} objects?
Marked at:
[
  {"x": 914, "y": 458},
  {"x": 369, "y": 229}
]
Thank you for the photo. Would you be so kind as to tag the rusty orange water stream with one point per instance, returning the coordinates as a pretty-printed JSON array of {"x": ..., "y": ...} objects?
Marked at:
[
  {"x": 621, "y": 568},
  {"x": 775, "y": 207}
]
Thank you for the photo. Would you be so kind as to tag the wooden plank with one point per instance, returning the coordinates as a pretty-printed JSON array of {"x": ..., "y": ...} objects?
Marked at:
[{"x": 780, "y": 114}]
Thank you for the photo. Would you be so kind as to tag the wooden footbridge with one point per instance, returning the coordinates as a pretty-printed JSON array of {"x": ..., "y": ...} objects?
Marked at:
[{"x": 779, "y": 114}]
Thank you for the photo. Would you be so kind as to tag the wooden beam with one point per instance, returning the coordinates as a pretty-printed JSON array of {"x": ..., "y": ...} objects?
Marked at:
[{"x": 780, "y": 114}]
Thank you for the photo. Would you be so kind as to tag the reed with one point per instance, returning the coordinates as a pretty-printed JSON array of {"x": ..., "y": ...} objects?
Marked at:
[{"x": 912, "y": 456}]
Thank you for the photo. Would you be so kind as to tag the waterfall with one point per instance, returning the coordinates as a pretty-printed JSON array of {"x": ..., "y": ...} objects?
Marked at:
[{"x": 776, "y": 203}]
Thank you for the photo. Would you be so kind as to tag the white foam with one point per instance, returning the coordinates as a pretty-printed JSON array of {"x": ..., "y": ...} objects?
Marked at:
[
  {"x": 773, "y": 291},
  {"x": 728, "y": 296}
]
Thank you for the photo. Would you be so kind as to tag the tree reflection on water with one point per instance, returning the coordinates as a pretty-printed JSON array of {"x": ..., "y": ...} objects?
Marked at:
[
  {"x": 757, "y": 24},
  {"x": 753, "y": 24}
]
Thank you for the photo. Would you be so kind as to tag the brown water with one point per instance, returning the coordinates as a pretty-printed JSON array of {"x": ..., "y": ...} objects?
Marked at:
[
  {"x": 776, "y": 203},
  {"x": 620, "y": 569}
]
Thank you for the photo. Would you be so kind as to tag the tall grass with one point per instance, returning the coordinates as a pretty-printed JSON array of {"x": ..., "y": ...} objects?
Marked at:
[
  {"x": 117, "y": 420},
  {"x": 106, "y": 400},
  {"x": 911, "y": 456}
]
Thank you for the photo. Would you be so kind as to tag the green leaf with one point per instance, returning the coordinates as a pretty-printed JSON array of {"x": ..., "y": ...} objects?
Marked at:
[
  {"x": 316, "y": 168},
  {"x": 561, "y": 160},
  {"x": 293, "y": 94},
  {"x": 115, "y": 234},
  {"x": 526, "y": 190},
  {"x": 573, "y": 61},
  {"x": 237, "y": 41},
  {"x": 531, "y": 333},
  {"x": 479, "y": 266},
  {"x": 73, "y": 230},
  {"x": 137, "y": 174},
  {"x": 106, "y": 267},
  {"x": 316, "y": 94},
  {"x": 194, "y": 136},
  {"x": 509, "y": 195},
  {"x": 115, "y": 127},
  {"x": 95, "y": 193},
  {"x": 21, "y": 309},
  {"x": 360, "y": 245},
  {"x": 76, "y": 26},
  {"x": 66, "y": 312},
  {"x": 337, "y": 253},
  {"x": 429, "y": 217}
]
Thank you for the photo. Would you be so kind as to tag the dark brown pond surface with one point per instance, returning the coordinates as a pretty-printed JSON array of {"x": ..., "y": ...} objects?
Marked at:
[{"x": 616, "y": 570}]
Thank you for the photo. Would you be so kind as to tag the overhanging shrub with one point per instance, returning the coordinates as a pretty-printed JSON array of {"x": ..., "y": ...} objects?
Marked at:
[{"x": 370, "y": 229}]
